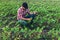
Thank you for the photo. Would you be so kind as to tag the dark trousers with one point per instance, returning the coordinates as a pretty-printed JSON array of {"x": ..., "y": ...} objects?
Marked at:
[
  {"x": 29, "y": 24},
  {"x": 24, "y": 23}
]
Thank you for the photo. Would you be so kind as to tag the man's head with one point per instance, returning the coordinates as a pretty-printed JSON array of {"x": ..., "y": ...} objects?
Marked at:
[{"x": 25, "y": 5}]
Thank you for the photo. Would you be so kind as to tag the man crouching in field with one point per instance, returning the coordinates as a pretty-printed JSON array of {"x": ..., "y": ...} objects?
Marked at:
[{"x": 22, "y": 16}]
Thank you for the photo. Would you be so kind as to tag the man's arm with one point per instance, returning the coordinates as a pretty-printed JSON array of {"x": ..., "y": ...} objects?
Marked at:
[
  {"x": 28, "y": 11},
  {"x": 20, "y": 16},
  {"x": 26, "y": 18}
]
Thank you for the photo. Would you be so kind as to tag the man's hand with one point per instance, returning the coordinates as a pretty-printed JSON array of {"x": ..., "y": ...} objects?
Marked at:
[
  {"x": 35, "y": 12},
  {"x": 29, "y": 19},
  {"x": 26, "y": 18}
]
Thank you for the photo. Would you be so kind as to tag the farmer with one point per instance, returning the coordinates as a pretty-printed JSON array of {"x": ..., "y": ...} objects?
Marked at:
[{"x": 24, "y": 15}]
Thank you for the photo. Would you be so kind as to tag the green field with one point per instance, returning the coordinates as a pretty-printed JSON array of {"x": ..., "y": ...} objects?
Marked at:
[{"x": 46, "y": 23}]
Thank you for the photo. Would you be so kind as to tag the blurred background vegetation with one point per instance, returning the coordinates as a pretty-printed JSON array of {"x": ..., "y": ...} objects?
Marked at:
[{"x": 46, "y": 23}]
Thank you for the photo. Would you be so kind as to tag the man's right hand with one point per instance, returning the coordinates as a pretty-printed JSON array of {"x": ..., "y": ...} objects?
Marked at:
[
  {"x": 29, "y": 19},
  {"x": 26, "y": 18}
]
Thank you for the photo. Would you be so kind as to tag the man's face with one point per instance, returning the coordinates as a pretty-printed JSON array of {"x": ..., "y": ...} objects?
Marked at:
[{"x": 23, "y": 9}]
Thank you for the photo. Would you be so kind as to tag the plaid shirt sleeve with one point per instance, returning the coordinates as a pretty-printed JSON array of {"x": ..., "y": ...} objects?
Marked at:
[
  {"x": 28, "y": 11},
  {"x": 19, "y": 14}
]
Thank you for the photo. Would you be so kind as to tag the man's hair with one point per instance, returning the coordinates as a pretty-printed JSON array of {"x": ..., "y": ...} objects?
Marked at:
[{"x": 25, "y": 5}]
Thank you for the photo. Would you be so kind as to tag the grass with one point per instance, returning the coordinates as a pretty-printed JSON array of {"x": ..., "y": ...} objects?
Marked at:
[{"x": 47, "y": 22}]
